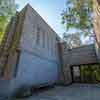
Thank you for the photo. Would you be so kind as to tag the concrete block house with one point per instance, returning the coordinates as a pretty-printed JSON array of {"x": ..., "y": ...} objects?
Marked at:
[{"x": 32, "y": 54}]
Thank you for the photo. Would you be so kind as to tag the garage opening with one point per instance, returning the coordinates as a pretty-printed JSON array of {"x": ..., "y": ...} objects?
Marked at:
[{"x": 86, "y": 73}]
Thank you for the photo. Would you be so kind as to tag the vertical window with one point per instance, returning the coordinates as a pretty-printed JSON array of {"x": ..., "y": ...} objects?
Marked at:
[
  {"x": 48, "y": 41},
  {"x": 51, "y": 44},
  {"x": 43, "y": 35},
  {"x": 17, "y": 57},
  {"x": 38, "y": 36}
]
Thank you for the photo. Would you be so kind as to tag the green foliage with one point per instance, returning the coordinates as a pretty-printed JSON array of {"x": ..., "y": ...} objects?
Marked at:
[
  {"x": 6, "y": 11},
  {"x": 3, "y": 23},
  {"x": 78, "y": 15},
  {"x": 90, "y": 73},
  {"x": 72, "y": 40}
]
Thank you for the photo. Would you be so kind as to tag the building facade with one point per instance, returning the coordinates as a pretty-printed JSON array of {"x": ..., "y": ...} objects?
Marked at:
[{"x": 31, "y": 53}]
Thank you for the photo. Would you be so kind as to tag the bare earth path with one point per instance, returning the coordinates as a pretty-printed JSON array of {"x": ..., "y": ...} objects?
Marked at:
[{"x": 72, "y": 92}]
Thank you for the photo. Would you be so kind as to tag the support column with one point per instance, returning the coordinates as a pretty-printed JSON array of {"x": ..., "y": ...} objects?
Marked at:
[{"x": 65, "y": 70}]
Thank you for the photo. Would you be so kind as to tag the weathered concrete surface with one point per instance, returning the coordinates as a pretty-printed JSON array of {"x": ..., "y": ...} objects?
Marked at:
[
  {"x": 31, "y": 51},
  {"x": 83, "y": 55},
  {"x": 73, "y": 92},
  {"x": 39, "y": 59},
  {"x": 6, "y": 43},
  {"x": 36, "y": 71},
  {"x": 9, "y": 44},
  {"x": 4, "y": 87}
]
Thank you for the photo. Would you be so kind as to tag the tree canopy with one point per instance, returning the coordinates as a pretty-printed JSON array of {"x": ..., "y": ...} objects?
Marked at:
[
  {"x": 78, "y": 15},
  {"x": 72, "y": 40},
  {"x": 6, "y": 11}
]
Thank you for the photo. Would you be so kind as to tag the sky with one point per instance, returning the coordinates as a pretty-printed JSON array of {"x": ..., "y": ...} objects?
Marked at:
[{"x": 49, "y": 10}]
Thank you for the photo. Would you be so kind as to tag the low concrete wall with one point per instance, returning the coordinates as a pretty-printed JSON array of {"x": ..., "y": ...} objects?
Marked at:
[{"x": 39, "y": 57}]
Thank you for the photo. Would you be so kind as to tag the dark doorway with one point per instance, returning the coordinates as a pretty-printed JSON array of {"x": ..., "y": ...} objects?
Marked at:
[
  {"x": 86, "y": 73},
  {"x": 76, "y": 74}
]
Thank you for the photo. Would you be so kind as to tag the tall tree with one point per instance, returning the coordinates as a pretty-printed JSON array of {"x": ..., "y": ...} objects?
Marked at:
[
  {"x": 72, "y": 40},
  {"x": 78, "y": 15},
  {"x": 7, "y": 9}
]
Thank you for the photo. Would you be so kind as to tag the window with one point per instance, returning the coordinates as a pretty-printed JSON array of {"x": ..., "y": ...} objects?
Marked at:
[
  {"x": 48, "y": 41},
  {"x": 43, "y": 35},
  {"x": 38, "y": 36}
]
